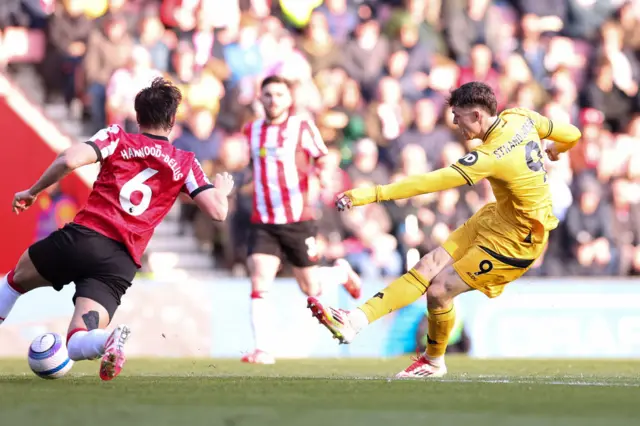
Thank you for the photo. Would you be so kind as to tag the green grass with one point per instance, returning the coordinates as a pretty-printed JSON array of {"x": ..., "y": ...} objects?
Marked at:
[{"x": 326, "y": 392}]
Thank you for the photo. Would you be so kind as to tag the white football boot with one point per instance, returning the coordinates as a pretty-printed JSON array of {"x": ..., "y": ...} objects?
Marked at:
[
  {"x": 113, "y": 358},
  {"x": 423, "y": 368},
  {"x": 335, "y": 320}
]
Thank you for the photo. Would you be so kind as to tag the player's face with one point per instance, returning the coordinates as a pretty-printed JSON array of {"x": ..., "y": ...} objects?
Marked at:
[
  {"x": 468, "y": 121},
  {"x": 276, "y": 100}
]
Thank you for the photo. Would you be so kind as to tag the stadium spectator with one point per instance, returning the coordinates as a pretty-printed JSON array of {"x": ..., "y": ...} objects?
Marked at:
[
  {"x": 67, "y": 34},
  {"x": 365, "y": 55},
  {"x": 590, "y": 230},
  {"x": 374, "y": 76},
  {"x": 198, "y": 136},
  {"x": 123, "y": 85},
  {"x": 108, "y": 49}
]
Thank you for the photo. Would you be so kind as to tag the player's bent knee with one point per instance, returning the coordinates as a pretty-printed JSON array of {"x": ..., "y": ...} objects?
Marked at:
[
  {"x": 445, "y": 287},
  {"x": 437, "y": 295},
  {"x": 433, "y": 263},
  {"x": 25, "y": 276}
]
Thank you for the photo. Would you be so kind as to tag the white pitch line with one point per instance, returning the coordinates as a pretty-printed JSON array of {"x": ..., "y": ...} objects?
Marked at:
[
  {"x": 546, "y": 380},
  {"x": 540, "y": 382},
  {"x": 551, "y": 381}
]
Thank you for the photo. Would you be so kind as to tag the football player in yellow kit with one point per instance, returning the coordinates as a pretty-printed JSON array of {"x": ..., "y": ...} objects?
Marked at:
[{"x": 496, "y": 246}]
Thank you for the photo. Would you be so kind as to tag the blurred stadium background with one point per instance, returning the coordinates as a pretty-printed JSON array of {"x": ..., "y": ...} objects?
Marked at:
[{"x": 374, "y": 75}]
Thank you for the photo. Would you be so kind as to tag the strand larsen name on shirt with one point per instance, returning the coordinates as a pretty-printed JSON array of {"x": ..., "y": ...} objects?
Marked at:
[
  {"x": 516, "y": 140},
  {"x": 146, "y": 151}
]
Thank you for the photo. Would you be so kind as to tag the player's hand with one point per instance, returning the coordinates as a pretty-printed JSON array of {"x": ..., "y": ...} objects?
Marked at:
[
  {"x": 22, "y": 201},
  {"x": 552, "y": 152},
  {"x": 224, "y": 182},
  {"x": 344, "y": 201}
]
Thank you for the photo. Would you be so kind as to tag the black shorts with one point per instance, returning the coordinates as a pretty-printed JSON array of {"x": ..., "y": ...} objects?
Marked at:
[
  {"x": 100, "y": 267},
  {"x": 297, "y": 241}
]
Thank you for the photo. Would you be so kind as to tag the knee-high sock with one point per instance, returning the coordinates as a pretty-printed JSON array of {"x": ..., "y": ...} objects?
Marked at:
[
  {"x": 262, "y": 320},
  {"x": 441, "y": 322},
  {"x": 83, "y": 344},
  {"x": 400, "y": 293},
  {"x": 9, "y": 294}
]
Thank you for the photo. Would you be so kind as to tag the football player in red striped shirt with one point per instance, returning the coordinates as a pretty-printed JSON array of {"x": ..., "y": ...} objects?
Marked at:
[{"x": 286, "y": 152}]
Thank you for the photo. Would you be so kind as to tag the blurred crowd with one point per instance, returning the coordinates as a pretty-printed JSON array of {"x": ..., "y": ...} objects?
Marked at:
[{"x": 375, "y": 76}]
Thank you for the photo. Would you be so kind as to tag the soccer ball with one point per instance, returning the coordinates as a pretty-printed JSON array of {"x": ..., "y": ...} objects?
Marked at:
[{"x": 48, "y": 356}]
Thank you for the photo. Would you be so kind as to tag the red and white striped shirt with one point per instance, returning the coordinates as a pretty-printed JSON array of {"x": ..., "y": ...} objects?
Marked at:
[{"x": 281, "y": 156}]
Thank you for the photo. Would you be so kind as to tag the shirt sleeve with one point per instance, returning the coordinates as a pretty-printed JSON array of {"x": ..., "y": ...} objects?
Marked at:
[
  {"x": 411, "y": 186},
  {"x": 311, "y": 140},
  {"x": 474, "y": 166},
  {"x": 105, "y": 141},
  {"x": 567, "y": 135},
  {"x": 196, "y": 181}
]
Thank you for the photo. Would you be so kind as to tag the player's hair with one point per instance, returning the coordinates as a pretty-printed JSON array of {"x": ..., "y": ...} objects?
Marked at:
[
  {"x": 278, "y": 79},
  {"x": 474, "y": 94},
  {"x": 157, "y": 104}
]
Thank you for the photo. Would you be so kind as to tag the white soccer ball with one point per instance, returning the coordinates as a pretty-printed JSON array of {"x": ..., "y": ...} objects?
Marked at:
[{"x": 48, "y": 356}]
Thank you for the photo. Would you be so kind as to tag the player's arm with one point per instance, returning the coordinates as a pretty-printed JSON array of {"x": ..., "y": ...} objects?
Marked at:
[
  {"x": 76, "y": 156},
  {"x": 564, "y": 135},
  {"x": 311, "y": 141},
  {"x": 438, "y": 180},
  {"x": 470, "y": 169},
  {"x": 213, "y": 200},
  {"x": 210, "y": 198}
]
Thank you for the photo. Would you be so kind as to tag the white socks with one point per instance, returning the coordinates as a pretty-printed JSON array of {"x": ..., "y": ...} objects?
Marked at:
[
  {"x": 8, "y": 297},
  {"x": 87, "y": 344},
  {"x": 262, "y": 320},
  {"x": 358, "y": 319}
]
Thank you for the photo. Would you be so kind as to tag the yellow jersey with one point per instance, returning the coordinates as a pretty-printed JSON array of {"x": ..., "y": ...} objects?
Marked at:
[{"x": 511, "y": 158}]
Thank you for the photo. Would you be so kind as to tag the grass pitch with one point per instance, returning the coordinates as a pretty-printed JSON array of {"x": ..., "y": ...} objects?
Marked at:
[{"x": 320, "y": 392}]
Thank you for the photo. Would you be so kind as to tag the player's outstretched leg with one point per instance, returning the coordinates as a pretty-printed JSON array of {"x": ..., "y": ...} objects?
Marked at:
[
  {"x": 345, "y": 325},
  {"x": 20, "y": 280},
  {"x": 441, "y": 320},
  {"x": 87, "y": 338}
]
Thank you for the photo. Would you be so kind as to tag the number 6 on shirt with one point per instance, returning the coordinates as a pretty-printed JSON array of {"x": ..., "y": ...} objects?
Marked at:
[{"x": 136, "y": 184}]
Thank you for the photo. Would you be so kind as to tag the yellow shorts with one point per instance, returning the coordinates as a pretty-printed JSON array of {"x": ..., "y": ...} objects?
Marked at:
[{"x": 489, "y": 253}]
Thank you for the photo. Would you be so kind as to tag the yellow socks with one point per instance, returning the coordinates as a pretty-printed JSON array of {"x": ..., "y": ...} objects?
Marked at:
[
  {"x": 401, "y": 292},
  {"x": 441, "y": 322}
]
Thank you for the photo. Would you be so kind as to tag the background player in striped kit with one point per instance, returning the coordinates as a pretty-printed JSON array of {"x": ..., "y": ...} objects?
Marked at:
[{"x": 286, "y": 151}]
